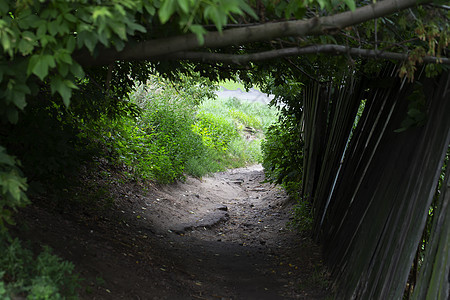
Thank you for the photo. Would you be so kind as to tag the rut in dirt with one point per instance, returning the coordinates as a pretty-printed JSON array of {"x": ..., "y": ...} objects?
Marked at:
[{"x": 226, "y": 238}]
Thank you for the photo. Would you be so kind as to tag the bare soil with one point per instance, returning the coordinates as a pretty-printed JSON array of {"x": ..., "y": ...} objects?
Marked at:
[{"x": 221, "y": 237}]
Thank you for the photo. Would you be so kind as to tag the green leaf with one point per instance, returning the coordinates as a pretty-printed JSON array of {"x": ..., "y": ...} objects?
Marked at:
[
  {"x": 120, "y": 30},
  {"x": 25, "y": 47},
  {"x": 214, "y": 14},
  {"x": 31, "y": 63},
  {"x": 42, "y": 29},
  {"x": 70, "y": 18},
  {"x": 184, "y": 5},
  {"x": 63, "y": 29},
  {"x": 323, "y": 3},
  {"x": 132, "y": 27},
  {"x": 63, "y": 56},
  {"x": 118, "y": 44},
  {"x": 101, "y": 12},
  {"x": 245, "y": 7},
  {"x": 71, "y": 43},
  {"x": 415, "y": 113},
  {"x": 76, "y": 70},
  {"x": 199, "y": 32},
  {"x": 47, "y": 39},
  {"x": 167, "y": 9},
  {"x": 351, "y": 4},
  {"x": 13, "y": 184},
  {"x": 42, "y": 64},
  {"x": 406, "y": 124},
  {"x": 88, "y": 39},
  {"x": 6, "y": 215},
  {"x": 63, "y": 87},
  {"x": 104, "y": 37},
  {"x": 53, "y": 28},
  {"x": 149, "y": 8},
  {"x": 20, "y": 90},
  {"x": 63, "y": 69},
  {"x": 29, "y": 21}
]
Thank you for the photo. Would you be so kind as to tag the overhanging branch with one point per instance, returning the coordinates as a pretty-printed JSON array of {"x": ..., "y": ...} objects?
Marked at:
[
  {"x": 239, "y": 36},
  {"x": 295, "y": 51}
]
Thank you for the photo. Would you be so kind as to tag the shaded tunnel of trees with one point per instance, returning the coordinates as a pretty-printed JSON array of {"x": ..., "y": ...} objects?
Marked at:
[{"x": 363, "y": 89}]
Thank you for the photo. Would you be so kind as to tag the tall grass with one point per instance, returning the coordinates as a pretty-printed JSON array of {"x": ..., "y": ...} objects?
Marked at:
[{"x": 248, "y": 122}]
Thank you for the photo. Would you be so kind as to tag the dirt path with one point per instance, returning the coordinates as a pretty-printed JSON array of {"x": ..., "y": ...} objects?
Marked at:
[{"x": 223, "y": 237}]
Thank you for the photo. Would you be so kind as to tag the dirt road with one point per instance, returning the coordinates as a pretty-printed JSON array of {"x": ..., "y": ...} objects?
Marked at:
[{"x": 222, "y": 237}]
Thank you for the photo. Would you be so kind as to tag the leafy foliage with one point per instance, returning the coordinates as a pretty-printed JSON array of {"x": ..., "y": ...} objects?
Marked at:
[
  {"x": 13, "y": 185},
  {"x": 161, "y": 139},
  {"x": 283, "y": 164},
  {"x": 180, "y": 129},
  {"x": 189, "y": 13},
  {"x": 44, "y": 276},
  {"x": 283, "y": 154},
  {"x": 217, "y": 133},
  {"x": 243, "y": 124}
]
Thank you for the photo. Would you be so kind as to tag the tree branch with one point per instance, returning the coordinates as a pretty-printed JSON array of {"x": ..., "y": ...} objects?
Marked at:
[
  {"x": 239, "y": 36},
  {"x": 295, "y": 51}
]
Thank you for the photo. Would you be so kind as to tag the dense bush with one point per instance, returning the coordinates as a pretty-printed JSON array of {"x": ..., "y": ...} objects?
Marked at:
[
  {"x": 44, "y": 276},
  {"x": 182, "y": 129},
  {"x": 242, "y": 124},
  {"x": 158, "y": 144},
  {"x": 283, "y": 164},
  {"x": 283, "y": 154},
  {"x": 13, "y": 188},
  {"x": 216, "y": 132}
]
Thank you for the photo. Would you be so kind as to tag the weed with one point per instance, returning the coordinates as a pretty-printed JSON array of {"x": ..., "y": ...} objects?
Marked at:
[
  {"x": 319, "y": 279},
  {"x": 302, "y": 217},
  {"x": 45, "y": 276}
]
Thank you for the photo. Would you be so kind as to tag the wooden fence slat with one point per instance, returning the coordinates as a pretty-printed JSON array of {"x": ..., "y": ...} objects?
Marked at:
[{"x": 377, "y": 265}]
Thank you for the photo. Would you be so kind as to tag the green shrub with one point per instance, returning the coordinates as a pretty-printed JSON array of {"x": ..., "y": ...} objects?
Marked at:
[
  {"x": 216, "y": 131},
  {"x": 160, "y": 142},
  {"x": 227, "y": 120},
  {"x": 252, "y": 114},
  {"x": 45, "y": 276},
  {"x": 283, "y": 155},
  {"x": 246, "y": 120},
  {"x": 13, "y": 186}
]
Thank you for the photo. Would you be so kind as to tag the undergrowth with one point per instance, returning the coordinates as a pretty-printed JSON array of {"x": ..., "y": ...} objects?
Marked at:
[
  {"x": 42, "y": 276},
  {"x": 183, "y": 129},
  {"x": 234, "y": 129},
  {"x": 283, "y": 165}
]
